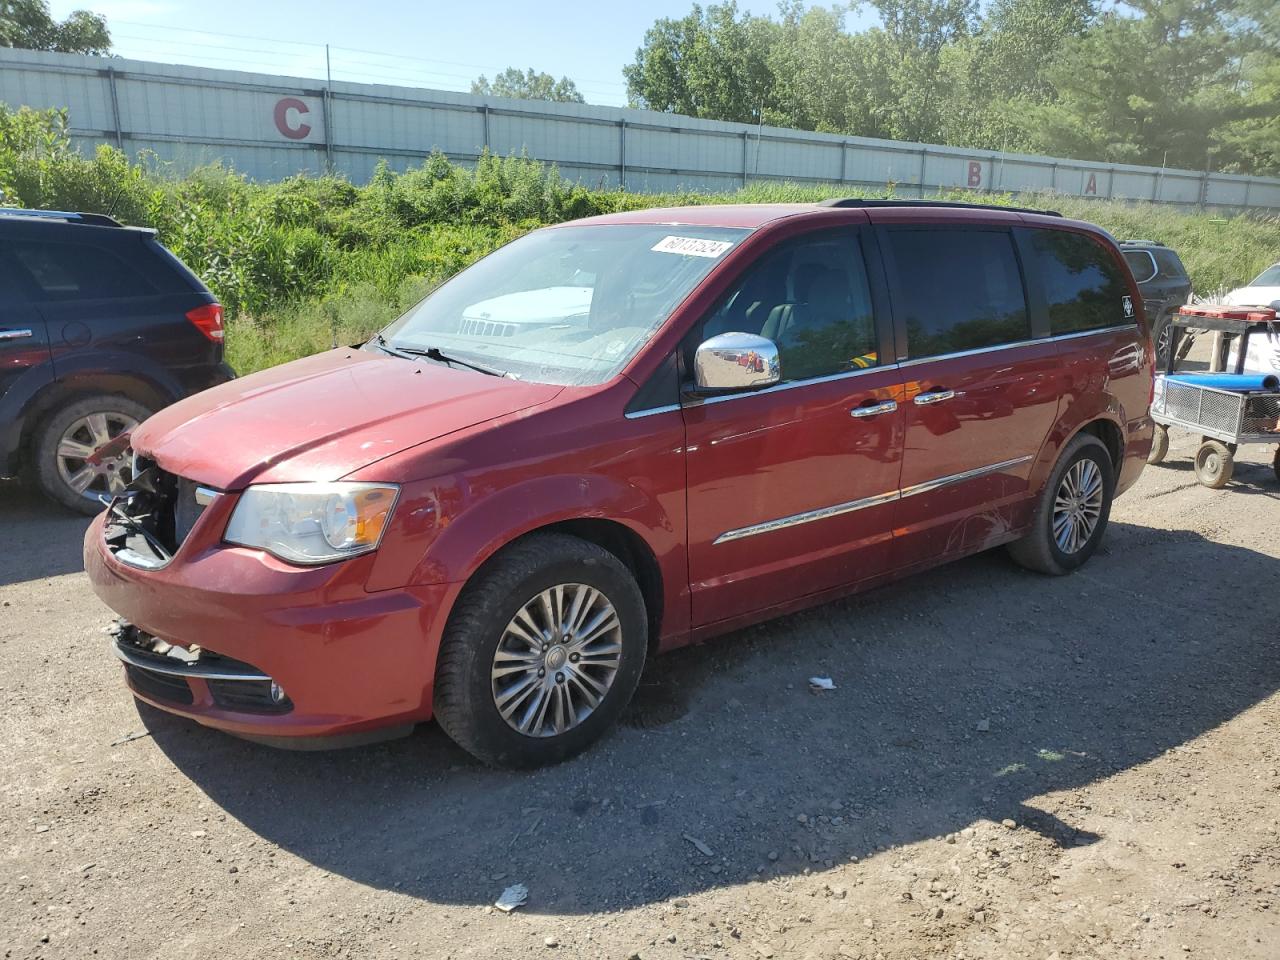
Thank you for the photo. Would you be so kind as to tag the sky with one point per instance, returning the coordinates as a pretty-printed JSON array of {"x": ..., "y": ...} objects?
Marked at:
[{"x": 424, "y": 43}]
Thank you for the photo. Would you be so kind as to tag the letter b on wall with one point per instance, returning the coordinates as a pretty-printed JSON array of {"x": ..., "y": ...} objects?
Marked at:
[{"x": 975, "y": 173}]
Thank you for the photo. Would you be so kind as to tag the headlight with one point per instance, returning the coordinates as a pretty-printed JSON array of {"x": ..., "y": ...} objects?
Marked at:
[{"x": 312, "y": 522}]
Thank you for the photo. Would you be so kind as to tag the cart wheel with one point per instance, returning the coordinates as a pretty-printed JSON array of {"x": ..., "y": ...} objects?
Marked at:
[
  {"x": 1159, "y": 445},
  {"x": 1214, "y": 464},
  {"x": 1275, "y": 464}
]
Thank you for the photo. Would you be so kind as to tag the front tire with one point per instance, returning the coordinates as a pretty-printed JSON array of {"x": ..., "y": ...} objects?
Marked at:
[
  {"x": 542, "y": 652},
  {"x": 1215, "y": 462},
  {"x": 67, "y": 445},
  {"x": 1072, "y": 512}
]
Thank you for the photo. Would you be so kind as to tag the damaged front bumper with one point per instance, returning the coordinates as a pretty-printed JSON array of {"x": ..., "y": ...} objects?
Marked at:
[{"x": 235, "y": 639}]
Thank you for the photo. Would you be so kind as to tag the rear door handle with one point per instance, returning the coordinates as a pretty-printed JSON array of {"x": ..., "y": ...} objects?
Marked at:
[
  {"x": 885, "y": 406},
  {"x": 933, "y": 396},
  {"x": 15, "y": 334}
]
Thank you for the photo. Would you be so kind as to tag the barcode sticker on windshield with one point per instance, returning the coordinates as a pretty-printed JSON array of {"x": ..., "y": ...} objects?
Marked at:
[{"x": 691, "y": 246}]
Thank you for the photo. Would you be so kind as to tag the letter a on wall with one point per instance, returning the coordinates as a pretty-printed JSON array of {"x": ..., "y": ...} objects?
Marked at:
[{"x": 1092, "y": 186}]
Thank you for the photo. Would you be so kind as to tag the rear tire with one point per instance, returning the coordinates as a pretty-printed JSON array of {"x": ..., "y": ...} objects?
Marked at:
[
  {"x": 1159, "y": 445},
  {"x": 1072, "y": 511},
  {"x": 491, "y": 681},
  {"x": 71, "y": 434}
]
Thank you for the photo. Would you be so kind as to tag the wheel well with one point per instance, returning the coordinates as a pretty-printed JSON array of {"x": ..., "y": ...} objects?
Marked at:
[
  {"x": 630, "y": 548},
  {"x": 63, "y": 392},
  {"x": 1109, "y": 434}
]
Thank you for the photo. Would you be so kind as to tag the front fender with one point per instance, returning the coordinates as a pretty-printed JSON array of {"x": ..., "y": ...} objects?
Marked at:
[{"x": 468, "y": 538}]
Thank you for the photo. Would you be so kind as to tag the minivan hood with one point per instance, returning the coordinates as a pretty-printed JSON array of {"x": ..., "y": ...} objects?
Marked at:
[{"x": 323, "y": 417}]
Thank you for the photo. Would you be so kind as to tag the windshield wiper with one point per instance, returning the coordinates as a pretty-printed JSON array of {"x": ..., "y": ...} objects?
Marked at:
[{"x": 434, "y": 353}]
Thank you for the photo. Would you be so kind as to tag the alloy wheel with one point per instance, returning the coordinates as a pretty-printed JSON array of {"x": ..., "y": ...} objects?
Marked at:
[
  {"x": 78, "y": 462},
  {"x": 556, "y": 660},
  {"x": 1077, "y": 506}
]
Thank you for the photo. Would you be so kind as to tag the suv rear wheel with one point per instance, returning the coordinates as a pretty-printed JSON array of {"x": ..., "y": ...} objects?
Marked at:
[
  {"x": 1072, "y": 514},
  {"x": 78, "y": 457},
  {"x": 542, "y": 652}
]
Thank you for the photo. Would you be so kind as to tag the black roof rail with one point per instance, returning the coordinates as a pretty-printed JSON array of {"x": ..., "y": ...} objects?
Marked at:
[
  {"x": 858, "y": 202},
  {"x": 94, "y": 219}
]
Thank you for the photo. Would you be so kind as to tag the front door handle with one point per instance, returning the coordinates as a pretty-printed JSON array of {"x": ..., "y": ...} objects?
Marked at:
[
  {"x": 886, "y": 406},
  {"x": 15, "y": 334},
  {"x": 933, "y": 396}
]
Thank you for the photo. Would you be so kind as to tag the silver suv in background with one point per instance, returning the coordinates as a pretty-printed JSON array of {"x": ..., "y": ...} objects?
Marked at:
[{"x": 1164, "y": 284}]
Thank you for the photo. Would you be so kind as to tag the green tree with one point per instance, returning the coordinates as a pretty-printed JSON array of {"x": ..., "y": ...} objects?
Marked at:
[
  {"x": 1252, "y": 143},
  {"x": 906, "y": 52},
  {"x": 814, "y": 70},
  {"x": 712, "y": 64},
  {"x": 528, "y": 85},
  {"x": 1149, "y": 85},
  {"x": 994, "y": 73},
  {"x": 28, "y": 24}
]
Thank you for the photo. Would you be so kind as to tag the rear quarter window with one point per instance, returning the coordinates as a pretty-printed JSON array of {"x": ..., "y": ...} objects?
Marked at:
[
  {"x": 78, "y": 271},
  {"x": 1170, "y": 265},
  {"x": 1083, "y": 286},
  {"x": 1141, "y": 264}
]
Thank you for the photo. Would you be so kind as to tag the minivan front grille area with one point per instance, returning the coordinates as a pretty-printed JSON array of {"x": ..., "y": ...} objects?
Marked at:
[
  {"x": 247, "y": 696},
  {"x": 162, "y": 671},
  {"x": 161, "y": 686},
  {"x": 151, "y": 520}
]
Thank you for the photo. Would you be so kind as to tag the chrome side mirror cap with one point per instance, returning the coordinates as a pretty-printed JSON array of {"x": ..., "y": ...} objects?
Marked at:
[{"x": 736, "y": 361}]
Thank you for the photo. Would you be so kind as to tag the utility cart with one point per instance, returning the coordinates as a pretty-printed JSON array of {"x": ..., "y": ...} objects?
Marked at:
[{"x": 1222, "y": 418}]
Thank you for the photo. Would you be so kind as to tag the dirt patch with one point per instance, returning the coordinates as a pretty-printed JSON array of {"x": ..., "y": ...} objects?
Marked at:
[{"x": 1010, "y": 766}]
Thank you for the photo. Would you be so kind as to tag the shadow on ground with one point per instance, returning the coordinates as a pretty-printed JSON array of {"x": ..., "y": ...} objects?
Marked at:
[
  {"x": 41, "y": 539},
  {"x": 1077, "y": 679}
]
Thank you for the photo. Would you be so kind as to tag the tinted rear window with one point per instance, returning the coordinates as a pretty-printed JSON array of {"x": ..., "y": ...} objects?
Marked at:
[
  {"x": 1082, "y": 282},
  {"x": 958, "y": 290},
  {"x": 78, "y": 271},
  {"x": 1170, "y": 265},
  {"x": 1141, "y": 263}
]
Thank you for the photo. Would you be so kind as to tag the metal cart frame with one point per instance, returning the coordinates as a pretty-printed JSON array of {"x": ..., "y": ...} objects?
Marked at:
[{"x": 1223, "y": 419}]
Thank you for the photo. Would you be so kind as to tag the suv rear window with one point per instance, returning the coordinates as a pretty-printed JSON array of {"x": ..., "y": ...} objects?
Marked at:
[
  {"x": 1142, "y": 263},
  {"x": 79, "y": 271},
  {"x": 1082, "y": 282},
  {"x": 958, "y": 290},
  {"x": 1170, "y": 265}
]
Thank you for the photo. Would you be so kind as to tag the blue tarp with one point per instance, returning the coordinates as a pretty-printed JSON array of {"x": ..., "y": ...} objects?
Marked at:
[{"x": 1236, "y": 382}]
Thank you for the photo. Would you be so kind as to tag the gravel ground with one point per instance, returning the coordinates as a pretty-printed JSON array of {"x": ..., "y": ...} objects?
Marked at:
[{"x": 1009, "y": 766}]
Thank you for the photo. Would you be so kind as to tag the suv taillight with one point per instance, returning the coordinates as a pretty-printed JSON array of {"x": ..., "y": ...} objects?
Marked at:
[{"x": 208, "y": 320}]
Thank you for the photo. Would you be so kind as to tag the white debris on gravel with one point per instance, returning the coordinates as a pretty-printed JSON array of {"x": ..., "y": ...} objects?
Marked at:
[
  {"x": 702, "y": 847},
  {"x": 822, "y": 683}
]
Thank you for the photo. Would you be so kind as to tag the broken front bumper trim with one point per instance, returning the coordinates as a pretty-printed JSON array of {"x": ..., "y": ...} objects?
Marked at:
[{"x": 149, "y": 653}]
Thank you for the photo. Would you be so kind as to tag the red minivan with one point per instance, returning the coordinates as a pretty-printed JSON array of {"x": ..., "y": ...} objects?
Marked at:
[{"x": 559, "y": 464}]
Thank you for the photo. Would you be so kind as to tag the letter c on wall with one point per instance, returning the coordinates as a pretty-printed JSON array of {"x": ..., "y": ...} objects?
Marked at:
[{"x": 283, "y": 107}]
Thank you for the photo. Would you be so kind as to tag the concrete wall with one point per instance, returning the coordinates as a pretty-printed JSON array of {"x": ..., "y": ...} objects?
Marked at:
[{"x": 271, "y": 127}]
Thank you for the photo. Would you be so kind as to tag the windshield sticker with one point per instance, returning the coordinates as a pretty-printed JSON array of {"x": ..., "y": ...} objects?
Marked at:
[{"x": 691, "y": 246}]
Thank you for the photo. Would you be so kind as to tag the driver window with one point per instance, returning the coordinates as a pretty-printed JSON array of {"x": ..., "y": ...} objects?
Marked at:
[{"x": 810, "y": 297}]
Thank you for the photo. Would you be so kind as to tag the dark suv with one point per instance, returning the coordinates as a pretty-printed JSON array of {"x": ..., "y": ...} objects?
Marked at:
[
  {"x": 100, "y": 326},
  {"x": 1164, "y": 284}
]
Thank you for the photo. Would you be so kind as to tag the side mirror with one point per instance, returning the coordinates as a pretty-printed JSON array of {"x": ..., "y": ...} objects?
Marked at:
[{"x": 736, "y": 361}]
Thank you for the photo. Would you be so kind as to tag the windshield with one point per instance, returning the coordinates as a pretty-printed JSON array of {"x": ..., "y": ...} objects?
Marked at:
[
  {"x": 1269, "y": 277},
  {"x": 567, "y": 305}
]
